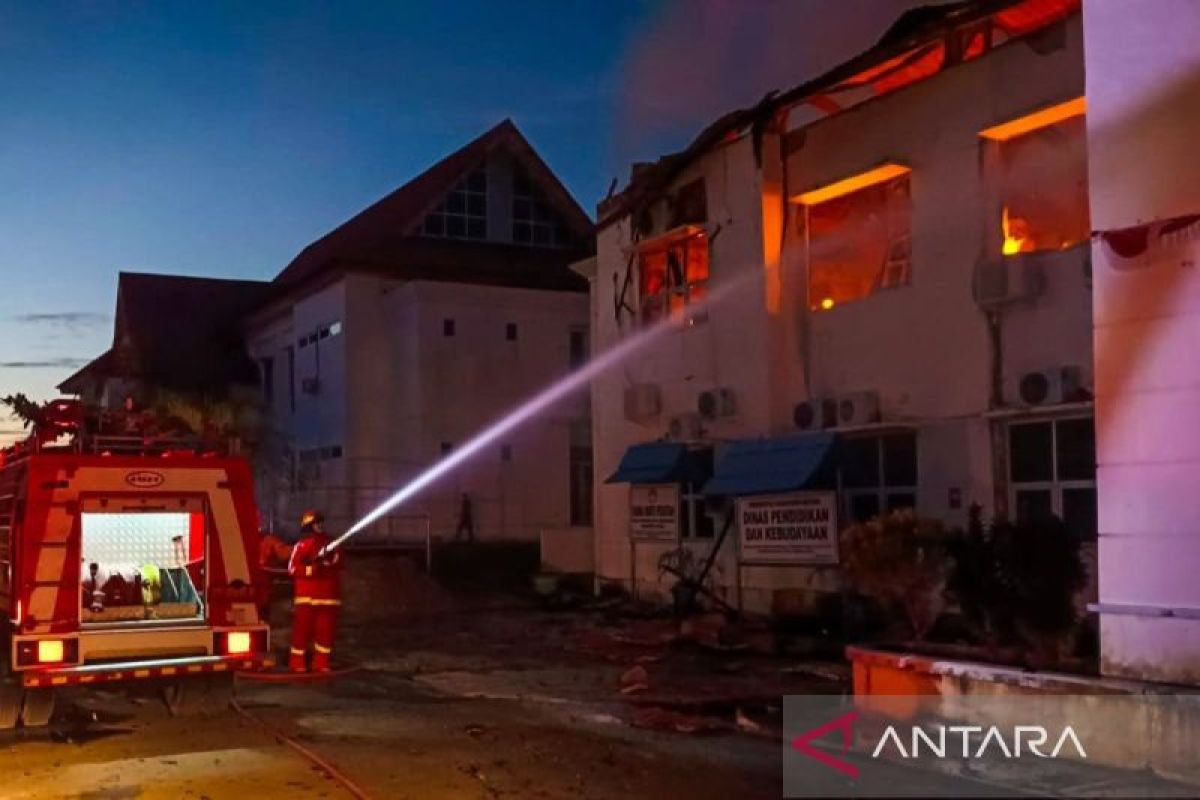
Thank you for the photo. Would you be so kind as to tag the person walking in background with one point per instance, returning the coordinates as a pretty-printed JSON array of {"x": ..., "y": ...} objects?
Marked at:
[{"x": 466, "y": 520}]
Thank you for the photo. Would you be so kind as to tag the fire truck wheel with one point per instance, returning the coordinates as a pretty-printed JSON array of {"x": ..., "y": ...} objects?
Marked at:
[
  {"x": 11, "y": 696},
  {"x": 220, "y": 693},
  {"x": 189, "y": 697},
  {"x": 37, "y": 708},
  {"x": 184, "y": 697}
]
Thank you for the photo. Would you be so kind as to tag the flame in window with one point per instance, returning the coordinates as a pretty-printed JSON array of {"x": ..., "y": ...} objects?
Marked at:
[{"x": 1014, "y": 239}]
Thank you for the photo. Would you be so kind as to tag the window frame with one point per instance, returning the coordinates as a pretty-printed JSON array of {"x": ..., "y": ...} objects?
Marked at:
[
  {"x": 464, "y": 192},
  {"x": 687, "y": 291},
  {"x": 883, "y": 490},
  {"x": 695, "y": 524},
  {"x": 1055, "y": 485},
  {"x": 894, "y": 273}
]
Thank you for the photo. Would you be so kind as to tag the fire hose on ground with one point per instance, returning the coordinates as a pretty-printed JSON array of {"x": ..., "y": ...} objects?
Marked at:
[{"x": 308, "y": 754}]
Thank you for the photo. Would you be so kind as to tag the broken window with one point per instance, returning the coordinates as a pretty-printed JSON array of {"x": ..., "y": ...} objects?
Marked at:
[
  {"x": 858, "y": 242},
  {"x": 672, "y": 276},
  {"x": 1043, "y": 188},
  {"x": 463, "y": 214}
]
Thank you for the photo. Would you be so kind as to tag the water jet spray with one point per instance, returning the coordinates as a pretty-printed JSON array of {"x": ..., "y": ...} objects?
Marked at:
[{"x": 539, "y": 402}]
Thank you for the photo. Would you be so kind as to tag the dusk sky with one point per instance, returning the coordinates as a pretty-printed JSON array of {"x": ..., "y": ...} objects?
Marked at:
[{"x": 218, "y": 139}]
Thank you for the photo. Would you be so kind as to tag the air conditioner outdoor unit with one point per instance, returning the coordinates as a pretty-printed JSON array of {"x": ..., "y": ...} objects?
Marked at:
[
  {"x": 716, "y": 403},
  {"x": 686, "y": 427},
  {"x": 1062, "y": 384},
  {"x": 857, "y": 408},
  {"x": 310, "y": 385},
  {"x": 1008, "y": 280},
  {"x": 643, "y": 401},
  {"x": 815, "y": 414}
]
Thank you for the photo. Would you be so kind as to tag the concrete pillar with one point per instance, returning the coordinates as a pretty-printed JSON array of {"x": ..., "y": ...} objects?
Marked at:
[{"x": 1143, "y": 78}]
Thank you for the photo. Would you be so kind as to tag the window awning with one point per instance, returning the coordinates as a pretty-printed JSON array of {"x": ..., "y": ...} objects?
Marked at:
[
  {"x": 656, "y": 462},
  {"x": 782, "y": 464}
]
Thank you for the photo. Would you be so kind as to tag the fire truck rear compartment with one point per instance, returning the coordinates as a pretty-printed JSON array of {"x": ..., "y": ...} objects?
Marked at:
[{"x": 142, "y": 568}]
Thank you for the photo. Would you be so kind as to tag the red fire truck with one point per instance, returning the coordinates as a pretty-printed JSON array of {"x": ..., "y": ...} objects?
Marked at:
[{"x": 124, "y": 558}]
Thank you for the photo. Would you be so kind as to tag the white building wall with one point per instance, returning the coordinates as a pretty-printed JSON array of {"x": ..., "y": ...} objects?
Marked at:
[
  {"x": 925, "y": 347},
  {"x": 393, "y": 388},
  {"x": 1143, "y": 73},
  {"x": 724, "y": 351}
]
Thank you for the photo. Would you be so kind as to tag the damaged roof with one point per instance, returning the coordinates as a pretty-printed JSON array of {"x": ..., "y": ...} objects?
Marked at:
[
  {"x": 917, "y": 45},
  {"x": 176, "y": 332},
  {"x": 382, "y": 237}
]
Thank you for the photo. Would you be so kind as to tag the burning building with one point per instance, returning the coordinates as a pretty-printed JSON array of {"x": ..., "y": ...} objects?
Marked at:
[{"x": 915, "y": 224}]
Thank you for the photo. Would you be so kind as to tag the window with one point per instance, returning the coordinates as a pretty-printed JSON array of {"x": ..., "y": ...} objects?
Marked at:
[
  {"x": 579, "y": 472},
  {"x": 879, "y": 474},
  {"x": 447, "y": 327},
  {"x": 859, "y": 241},
  {"x": 672, "y": 277},
  {"x": 578, "y": 348},
  {"x": 463, "y": 214},
  {"x": 533, "y": 220},
  {"x": 694, "y": 519},
  {"x": 1042, "y": 181},
  {"x": 324, "y": 332},
  {"x": 510, "y": 331},
  {"x": 267, "y": 369},
  {"x": 1052, "y": 470}
]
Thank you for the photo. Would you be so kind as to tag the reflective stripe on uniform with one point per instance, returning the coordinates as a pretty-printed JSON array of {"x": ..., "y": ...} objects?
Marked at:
[
  {"x": 322, "y": 650},
  {"x": 296, "y": 651},
  {"x": 318, "y": 602},
  {"x": 302, "y": 601}
]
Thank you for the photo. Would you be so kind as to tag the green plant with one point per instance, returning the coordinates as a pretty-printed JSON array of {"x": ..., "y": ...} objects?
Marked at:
[
  {"x": 30, "y": 412},
  {"x": 900, "y": 560},
  {"x": 1016, "y": 581}
]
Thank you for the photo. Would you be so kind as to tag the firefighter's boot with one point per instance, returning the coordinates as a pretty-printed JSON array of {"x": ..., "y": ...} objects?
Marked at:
[
  {"x": 320, "y": 660},
  {"x": 296, "y": 661}
]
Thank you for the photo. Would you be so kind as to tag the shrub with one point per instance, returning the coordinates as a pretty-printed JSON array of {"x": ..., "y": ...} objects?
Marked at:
[
  {"x": 901, "y": 561},
  {"x": 1016, "y": 581}
]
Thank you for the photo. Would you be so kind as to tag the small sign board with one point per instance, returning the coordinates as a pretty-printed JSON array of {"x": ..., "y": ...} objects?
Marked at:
[
  {"x": 654, "y": 512},
  {"x": 796, "y": 528}
]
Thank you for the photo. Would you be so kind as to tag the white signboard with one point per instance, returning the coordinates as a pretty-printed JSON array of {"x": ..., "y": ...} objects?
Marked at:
[
  {"x": 654, "y": 513},
  {"x": 799, "y": 528}
]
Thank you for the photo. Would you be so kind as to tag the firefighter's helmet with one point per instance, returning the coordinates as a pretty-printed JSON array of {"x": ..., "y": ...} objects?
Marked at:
[{"x": 310, "y": 518}]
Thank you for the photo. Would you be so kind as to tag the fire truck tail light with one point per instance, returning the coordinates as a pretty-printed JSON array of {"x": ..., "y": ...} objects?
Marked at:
[
  {"x": 50, "y": 651},
  {"x": 237, "y": 642}
]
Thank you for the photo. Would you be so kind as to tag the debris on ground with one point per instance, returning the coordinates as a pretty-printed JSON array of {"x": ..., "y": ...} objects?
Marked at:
[
  {"x": 666, "y": 719},
  {"x": 635, "y": 679}
]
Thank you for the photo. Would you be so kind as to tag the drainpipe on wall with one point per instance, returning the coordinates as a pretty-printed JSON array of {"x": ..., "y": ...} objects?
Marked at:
[{"x": 996, "y": 400}]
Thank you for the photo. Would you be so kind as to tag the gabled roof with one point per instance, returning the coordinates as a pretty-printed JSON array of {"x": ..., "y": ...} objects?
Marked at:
[
  {"x": 914, "y": 47},
  {"x": 179, "y": 333},
  {"x": 383, "y": 233}
]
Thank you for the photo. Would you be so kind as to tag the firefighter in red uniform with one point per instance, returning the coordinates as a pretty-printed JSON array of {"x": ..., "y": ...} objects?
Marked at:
[{"x": 317, "y": 594}]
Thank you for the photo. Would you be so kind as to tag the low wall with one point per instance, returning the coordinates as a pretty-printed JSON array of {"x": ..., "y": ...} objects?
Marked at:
[
  {"x": 569, "y": 551},
  {"x": 1161, "y": 735}
]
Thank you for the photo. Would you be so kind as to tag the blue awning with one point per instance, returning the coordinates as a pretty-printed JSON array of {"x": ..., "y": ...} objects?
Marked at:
[
  {"x": 783, "y": 464},
  {"x": 654, "y": 462}
]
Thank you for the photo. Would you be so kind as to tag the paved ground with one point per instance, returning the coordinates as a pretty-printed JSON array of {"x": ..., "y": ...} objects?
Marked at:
[
  {"x": 450, "y": 700},
  {"x": 456, "y": 699}
]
